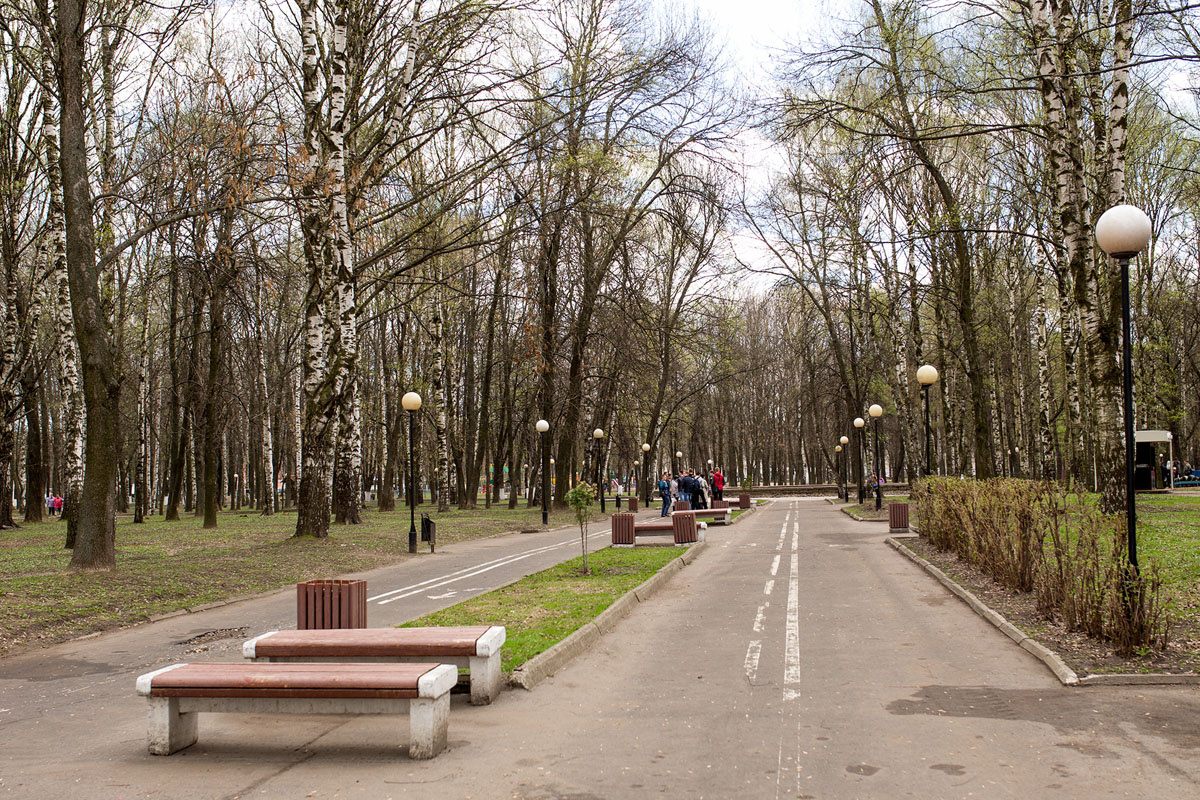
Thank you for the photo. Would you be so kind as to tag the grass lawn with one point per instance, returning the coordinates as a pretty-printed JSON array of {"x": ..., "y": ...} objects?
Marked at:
[
  {"x": 164, "y": 567},
  {"x": 1169, "y": 534},
  {"x": 867, "y": 510},
  {"x": 543, "y": 609}
]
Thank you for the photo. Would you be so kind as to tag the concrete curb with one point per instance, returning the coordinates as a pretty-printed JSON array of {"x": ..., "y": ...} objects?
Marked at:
[
  {"x": 846, "y": 510},
  {"x": 1065, "y": 674},
  {"x": 546, "y": 663},
  {"x": 745, "y": 514},
  {"x": 1048, "y": 657}
]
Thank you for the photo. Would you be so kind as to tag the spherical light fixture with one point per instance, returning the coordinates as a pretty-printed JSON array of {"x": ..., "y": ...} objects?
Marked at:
[
  {"x": 598, "y": 433},
  {"x": 875, "y": 410},
  {"x": 1123, "y": 231},
  {"x": 542, "y": 426},
  {"x": 927, "y": 375},
  {"x": 859, "y": 422},
  {"x": 845, "y": 440},
  {"x": 679, "y": 454},
  {"x": 411, "y": 401},
  {"x": 645, "y": 447},
  {"x": 837, "y": 448}
]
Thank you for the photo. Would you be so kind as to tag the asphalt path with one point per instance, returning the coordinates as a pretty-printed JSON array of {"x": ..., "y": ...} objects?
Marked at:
[{"x": 798, "y": 657}]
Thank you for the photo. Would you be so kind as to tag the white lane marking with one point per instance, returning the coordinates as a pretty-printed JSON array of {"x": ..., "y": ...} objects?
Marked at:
[
  {"x": 791, "y": 664},
  {"x": 466, "y": 572},
  {"x": 760, "y": 617},
  {"x": 460, "y": 571},
  {"x": 752, "y": 654},
  {"x": 767, "y": 589},
  {"x": 779, "y": 771},
  {"x": 775, "y": 565},
  {"x": 443, "y": 596}
]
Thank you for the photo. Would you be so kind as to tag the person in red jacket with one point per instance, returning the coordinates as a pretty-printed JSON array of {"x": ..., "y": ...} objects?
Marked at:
[{"x": 718, "y": 484}]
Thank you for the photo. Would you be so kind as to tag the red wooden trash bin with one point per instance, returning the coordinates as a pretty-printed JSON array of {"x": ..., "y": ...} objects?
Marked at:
[
  {"x": 683, "y": 525},
  {"x": 622, "y": 529},
  {"x": 897, "y": 517},
  {"x": 744, "y": 499},
  {"x": 633, "y": 503},
  {"x": 682, "y": 505},
  {"x": 326, "y": 604}
]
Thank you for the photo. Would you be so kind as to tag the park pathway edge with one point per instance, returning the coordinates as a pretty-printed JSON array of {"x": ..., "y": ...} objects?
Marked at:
[{"x": 549, "y": 661}]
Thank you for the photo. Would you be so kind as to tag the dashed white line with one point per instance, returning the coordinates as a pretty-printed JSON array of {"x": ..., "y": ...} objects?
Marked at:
[
  {"x": 791, "y": 664},
  {"x": 752, "y": 654}
]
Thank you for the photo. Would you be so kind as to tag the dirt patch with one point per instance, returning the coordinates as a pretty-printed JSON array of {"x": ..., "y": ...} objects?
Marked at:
[{"x": 1082, "y": 653}]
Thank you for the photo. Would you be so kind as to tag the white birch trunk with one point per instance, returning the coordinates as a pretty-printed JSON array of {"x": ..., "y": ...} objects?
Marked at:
[
  {"x": 67, "y": 361},
  {"x": 141, "y": 489},
  {"x": 348, "y": 459},
  {"x": 267, "y": 444}
]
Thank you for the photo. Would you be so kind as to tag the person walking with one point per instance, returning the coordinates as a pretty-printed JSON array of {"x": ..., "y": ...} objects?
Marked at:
[
  {"x": 50, "y": 503},
  {"x": 664, "y": 489},
  {"x": 58, "y": 504},
  {"x": 701, "y": 491},
  {"x": 718, "y": 484}
]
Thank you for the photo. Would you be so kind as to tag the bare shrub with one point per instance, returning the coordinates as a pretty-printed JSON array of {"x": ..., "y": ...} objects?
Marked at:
[{"x": 1032, "y": 536}]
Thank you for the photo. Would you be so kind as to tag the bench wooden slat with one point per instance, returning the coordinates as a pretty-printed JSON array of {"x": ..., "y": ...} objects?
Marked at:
[
  {"x": 372, "y": 642},
  {"x": 250, "y": 679}
]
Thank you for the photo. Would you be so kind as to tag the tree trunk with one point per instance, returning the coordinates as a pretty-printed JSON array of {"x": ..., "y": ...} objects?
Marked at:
[{"x": 94, "y": 513}]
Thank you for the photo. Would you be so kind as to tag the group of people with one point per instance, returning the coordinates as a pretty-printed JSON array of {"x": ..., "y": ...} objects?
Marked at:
[
  {"x": 54, "y": 504},
  {"x": 699, "y": 490}
]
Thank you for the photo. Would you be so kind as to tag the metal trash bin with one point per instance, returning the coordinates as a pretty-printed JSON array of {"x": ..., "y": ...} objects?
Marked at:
[
  {"x": 897, "y": 517},
  {"x": 428, "y": 531}
]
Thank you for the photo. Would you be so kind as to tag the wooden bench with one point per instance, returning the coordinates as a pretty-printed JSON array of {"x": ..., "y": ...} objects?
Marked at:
[
  {"x": 721, "y": 515},
  {"x": 179, "y": 693},
  {"x": 676, "y": 525},
  {"x": 476, "y": 647}
]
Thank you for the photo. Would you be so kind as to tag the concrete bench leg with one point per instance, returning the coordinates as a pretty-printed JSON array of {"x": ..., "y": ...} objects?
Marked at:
[
  {"x": 486, "y": 679},
  {"x": 428, "y": 720},
  {"x": 170, "y": 731}
]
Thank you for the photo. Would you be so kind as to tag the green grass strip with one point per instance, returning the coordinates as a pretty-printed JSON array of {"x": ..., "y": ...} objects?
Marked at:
[{"x": 544, "y": 608}]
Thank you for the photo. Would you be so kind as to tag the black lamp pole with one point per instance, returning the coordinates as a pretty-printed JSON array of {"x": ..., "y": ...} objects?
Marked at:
[
  {"x": 861, "y": 461},
  {"x": 599, "y": 484},
  {"x": 878, "y": 476},
  {"x": 928, "y": 463},
  {"x": 545, "y": 482},
  {"x": 1127, "y": 364},
  {"x": 412, "y": 488}
]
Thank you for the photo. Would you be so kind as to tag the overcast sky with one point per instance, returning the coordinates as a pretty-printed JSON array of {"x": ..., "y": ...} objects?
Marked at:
[{"x": 753, "y": 29}]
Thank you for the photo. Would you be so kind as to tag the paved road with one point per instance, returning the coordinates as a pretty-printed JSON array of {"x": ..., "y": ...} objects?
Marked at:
[{"x": 799, "y": 656}]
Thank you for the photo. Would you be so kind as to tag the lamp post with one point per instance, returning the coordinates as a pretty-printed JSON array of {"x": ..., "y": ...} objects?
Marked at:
[
  {"x": 411, "y": 402},
  {"x": 876, "y": 411},
  {"x": 632, "y": 477},
  {"x": 840, "y": 459},
  {"x": 542, "y": 426},
  {"x": 858, "y": 426},
  {"x": 646, "y": 469},
  {"x": 598, "y": 436},
  {"x": 845, "y": 440},
  {"x": 1124, "y": 231},
  {"x": 927, "y": 376},
  {"x": 678, "y": 457}
]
